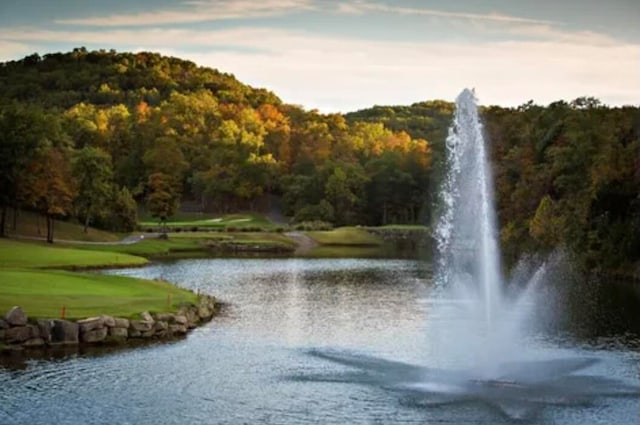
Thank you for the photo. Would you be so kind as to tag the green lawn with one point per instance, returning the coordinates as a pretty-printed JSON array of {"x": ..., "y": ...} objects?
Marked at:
[
  {"x": 346, "y": 236},
  {"x": 149, "y": 247},
  {"x": 43, "y": 293},
  {"x": 40, "y": 255},
  {"x": 211, "y": 221}
]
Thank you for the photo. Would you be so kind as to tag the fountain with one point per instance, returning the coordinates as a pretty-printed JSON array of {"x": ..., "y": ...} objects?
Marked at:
[{"x": 479, "y": 333}]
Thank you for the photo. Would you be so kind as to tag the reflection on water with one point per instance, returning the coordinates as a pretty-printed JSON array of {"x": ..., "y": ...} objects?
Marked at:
[{"x": 235, "y": 369}]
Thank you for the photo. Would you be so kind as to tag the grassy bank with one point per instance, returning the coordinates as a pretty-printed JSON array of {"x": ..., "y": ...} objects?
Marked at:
[
  {"x": 345, "y": 236},
  {"x": 43, "y": 293},
  {"x": 27, "y": 280},
  {"x": 188, "y": 221},
  {"x": 40, "y": 255}
]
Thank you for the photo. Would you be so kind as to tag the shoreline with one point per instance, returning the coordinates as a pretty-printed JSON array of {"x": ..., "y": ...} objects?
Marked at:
[{"x": 21, "y": 335}]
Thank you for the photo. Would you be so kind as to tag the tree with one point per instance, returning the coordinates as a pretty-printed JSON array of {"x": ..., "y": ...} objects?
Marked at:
[
  {"x": 162, "y": 200},
  {"x": 93, "y": 175},
  {"x": 22, "y": 129},
  {"x": 49, "y": 186},
  {"x": 123, "y": 213}
]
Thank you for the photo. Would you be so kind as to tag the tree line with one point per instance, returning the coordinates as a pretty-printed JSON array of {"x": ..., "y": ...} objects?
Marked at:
[
  {"x": 95, "y": 134},
  {"x": 566, "y": 174}
]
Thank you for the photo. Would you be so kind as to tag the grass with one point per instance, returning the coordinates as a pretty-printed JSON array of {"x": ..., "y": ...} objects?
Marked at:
[
  {"x": 15, "y": 254},
  {"x": 149, "y": 247},
  {"x": 211, "y": 221},
  {"x": 345, "y": 236},
  {"x": 403, "y": 227},
  {"x": 43, "y": 293},
  {"x": 32, "y": 225}
]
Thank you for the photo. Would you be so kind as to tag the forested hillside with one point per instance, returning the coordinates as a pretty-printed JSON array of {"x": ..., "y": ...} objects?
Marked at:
[
  {"x": 82, "y": 129},
  {"x": 566, "y": 174},
  {"x": 94, "y": 135}
]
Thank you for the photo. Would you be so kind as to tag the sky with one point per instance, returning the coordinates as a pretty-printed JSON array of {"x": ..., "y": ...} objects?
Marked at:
[{"x": 340, "y": 56}]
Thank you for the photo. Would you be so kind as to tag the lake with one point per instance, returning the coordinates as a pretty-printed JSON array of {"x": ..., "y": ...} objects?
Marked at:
[{"x": 240, "y": 368}]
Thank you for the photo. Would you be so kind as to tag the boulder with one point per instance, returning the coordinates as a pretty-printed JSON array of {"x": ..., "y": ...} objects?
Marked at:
[
  {"x": 2, "y": 334},
  {"x": 119, "y": 322},
  {"x": 16, "y": 317},
  {"x": 146, "y": 317},
  {"x": 141, "y": 325},
  {"x": 3, "y": 324},
  {"x": 91, "y": 324},
  {"x": 134, "y": 333},
  {"x": 165, "y": 317},
  {"x": 33, "y": 342},
  {"x": 64, "y": 332},
  {"x": 160, "y": 326},
  {"x": 148, "y": 334},
  {"x": 180, "y": 319},
  {"x": 119, "y": 333},
  {"x": 178, "y": 329},
  {"x": 96, "y": 335},
  {"x": 18, "y": 334},
  {"x": 45, "y": 326},
  {"x": 108, "y": 321},
  {"x": 204, "y": 313}
]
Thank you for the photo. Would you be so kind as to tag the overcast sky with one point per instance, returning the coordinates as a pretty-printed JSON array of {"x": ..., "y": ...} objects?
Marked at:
[{"x": 347, "y": 55}]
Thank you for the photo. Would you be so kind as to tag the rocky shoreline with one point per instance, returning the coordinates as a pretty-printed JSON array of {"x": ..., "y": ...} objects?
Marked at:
[{"x": 18, "y": 333}]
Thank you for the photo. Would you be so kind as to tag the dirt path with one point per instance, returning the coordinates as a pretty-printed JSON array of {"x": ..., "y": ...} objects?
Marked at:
[
  {"x": 305, "y": 243},
  {"x": 129, "y": 240}
]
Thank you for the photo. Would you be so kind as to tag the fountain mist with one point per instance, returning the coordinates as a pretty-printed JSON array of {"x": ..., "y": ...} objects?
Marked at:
[{"x": 476, "y": 333}]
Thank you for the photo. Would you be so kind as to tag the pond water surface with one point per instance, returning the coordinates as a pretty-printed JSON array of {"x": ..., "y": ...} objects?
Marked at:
[{"x": 235, "y": 370}]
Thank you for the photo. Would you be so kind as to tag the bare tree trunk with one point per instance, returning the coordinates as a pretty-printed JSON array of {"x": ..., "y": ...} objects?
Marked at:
[
  {"x": 3, "y": 219},
  {"x": 86, "y": 224},
  {"x": 16, "y": 213},
  {"x": 49, "y": 229}
]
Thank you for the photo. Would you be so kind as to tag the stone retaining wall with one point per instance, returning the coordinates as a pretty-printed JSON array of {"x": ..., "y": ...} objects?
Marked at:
[{"x": 17, "y": 332}]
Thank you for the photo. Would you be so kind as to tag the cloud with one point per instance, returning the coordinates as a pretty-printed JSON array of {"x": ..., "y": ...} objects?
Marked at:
[
  {"x": 10, "y": 50},
  {"x": 339, "y": 74},
  {"x": 197, "y": 11},
  {"x": 363, "y": 6}
]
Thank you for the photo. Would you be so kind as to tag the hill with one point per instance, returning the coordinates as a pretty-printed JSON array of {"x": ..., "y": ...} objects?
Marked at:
[{"x": 95, "y": 135}]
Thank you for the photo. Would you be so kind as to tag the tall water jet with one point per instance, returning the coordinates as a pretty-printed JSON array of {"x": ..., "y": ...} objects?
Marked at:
[{"x": 466, "y": 232}]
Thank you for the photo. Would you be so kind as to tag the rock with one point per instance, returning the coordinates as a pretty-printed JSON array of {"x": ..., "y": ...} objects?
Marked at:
[
  {"x": 35, "y": 331},
  {"x": 160, "y": 326},
  {"x": 2, "y": 334},
  {"x": 141, "y": 325},
  {"x": 178, "y": 329},
  {"x": 192, "y": 317},
  {"x": 180, "y": 320},
  {"x": 64, "y": 332},
  {"x": 146, "y": 317},
  {"x": 3, "y": 324},
  {"x": 148, "y": 334},
  {"x": 108, "y": 321},
  {"x": 134, "y": 333},
  {"x": 18, "y": 334},
  {"x": 204, "y": 313},
  {"x": 165, "y": 317},
  {"x": 96, "y": 335},
  {"x": 119, "y": 322},
  {"x": 119, "y": 332},
  {"x": 91, "y": 323},
  {"x": 16, "y": 317},
  {"x": 45, "y": 326},
  {"x": 33, "y": 342}
]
